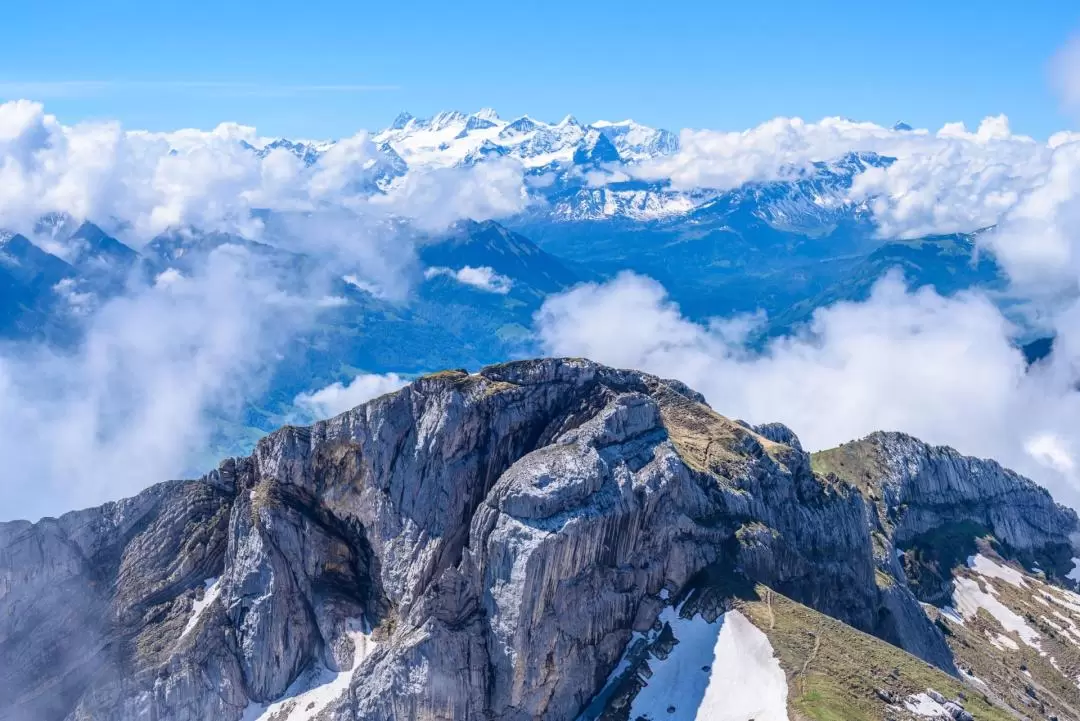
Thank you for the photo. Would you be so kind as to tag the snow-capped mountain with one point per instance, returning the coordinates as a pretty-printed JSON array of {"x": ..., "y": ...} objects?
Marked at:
[
  {"x": 586, "y": 172},
  {"x": 451, "y": 138},
  {"x": 810, "y": 201}
]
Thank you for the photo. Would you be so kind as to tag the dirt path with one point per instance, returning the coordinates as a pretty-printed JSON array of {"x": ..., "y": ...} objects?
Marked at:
[{"x": 801, "y": 676}]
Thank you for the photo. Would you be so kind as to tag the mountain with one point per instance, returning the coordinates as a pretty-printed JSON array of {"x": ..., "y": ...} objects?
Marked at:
[
  {"x": 509, "y": 254},
  {"x": 946, "y": 263},
  {"x": 550, "y": 539},
  {"x": 102, "y": 262},
  {"x": 43, "y": 295},
  {"x": 581, "y": 171},
  {"x": 308, "y": 153},
  {"x": 31, "y": 288},
  {"x": 637, "y": 142}
]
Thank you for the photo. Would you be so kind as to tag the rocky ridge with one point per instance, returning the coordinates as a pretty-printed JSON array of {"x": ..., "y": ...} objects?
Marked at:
[{"x": 482, "y": 546}]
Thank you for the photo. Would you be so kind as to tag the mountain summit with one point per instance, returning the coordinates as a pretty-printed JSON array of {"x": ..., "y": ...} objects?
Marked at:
[{"x": 549, "y": 539}]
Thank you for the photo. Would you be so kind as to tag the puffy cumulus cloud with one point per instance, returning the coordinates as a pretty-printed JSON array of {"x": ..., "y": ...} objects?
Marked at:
[
  {"x": 1038, "y": 239},
  {"x": 337, "y": 398},
  {"x": 147, "y": 182},
  {"x": 482, "y": 278},
  {"x": 952, "y": 180},
  {"x": 942, "y": 369},
  {"x": 135, "y": 402},
  {"x": 437, "y": 197}
]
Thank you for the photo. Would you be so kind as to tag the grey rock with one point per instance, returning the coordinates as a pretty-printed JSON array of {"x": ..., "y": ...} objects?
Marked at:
[{"x": 497, "y": 537}]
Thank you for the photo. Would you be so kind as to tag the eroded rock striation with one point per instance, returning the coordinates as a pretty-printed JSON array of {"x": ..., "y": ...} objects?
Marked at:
[{"x": 474, "y": 546}]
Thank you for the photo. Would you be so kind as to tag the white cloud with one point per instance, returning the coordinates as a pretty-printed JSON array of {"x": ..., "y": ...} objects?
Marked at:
[
  {"x": 79, "y": 302},
  {"x": 949, "y": 181},
  {"x": 1037, "y": 239},
  {"x": 209, "y": 179},
  {"x": 482, "y": 278},
  {"x": 437, "y": 197},
  {"x": 337, "y": 398},
  {"x": 942, "y": 369},
  {"x": 135, "y": 403}
]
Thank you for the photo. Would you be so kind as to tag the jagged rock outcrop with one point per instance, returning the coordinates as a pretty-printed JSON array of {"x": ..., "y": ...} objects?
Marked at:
[
  {"x": 931, "y": 503},
  {"x": 474, "y": 546}
]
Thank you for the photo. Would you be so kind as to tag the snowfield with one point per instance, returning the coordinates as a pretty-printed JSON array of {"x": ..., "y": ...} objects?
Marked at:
[
  {"x": 721, "y": 671},
  {"x": 969, "y": 598}
]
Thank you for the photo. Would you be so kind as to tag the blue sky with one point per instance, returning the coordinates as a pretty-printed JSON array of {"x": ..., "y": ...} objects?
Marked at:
[{"x": 325, "y": 68}]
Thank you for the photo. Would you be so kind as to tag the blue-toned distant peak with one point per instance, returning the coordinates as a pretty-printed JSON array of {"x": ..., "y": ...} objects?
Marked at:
[
  {"x": 306, "y": 152},
  {"x": 490, "y": 245},
  {"x": 394, "y": 162},
  {"x": 24, "y": 261},
  {"x": 485, "y": 151},
  {"x": 447, "y": 119},
  {"x": 638, "y": 142},
  {"x": 91, "y": 244},
  {"x": 846, "y": 167},
  {"x": 522, "y": 125},
  {"x": 401, "y": 121},
  {"x": 453, "y": 138},
  {"x": 475, "y": 122},
  {"x": 56, "y": 225},
  {"x": 900, "y": 125},
  {"x": 595, "y": 148}
]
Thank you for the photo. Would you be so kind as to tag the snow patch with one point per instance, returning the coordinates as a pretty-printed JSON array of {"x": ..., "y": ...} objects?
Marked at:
[
  {"x": 969, "y": 598},
  {"x": 974, "y": 680},
  {"x": 720, "y": 671},
  {"x": 316, "y": 689},
  {"x": 1066, "y": 599},
  {"x": 984, "y": 566},
  {"x": 211, "y": 590},
  {"x": 1002, "y": 642},
  {"x": 921, "y": 704}
]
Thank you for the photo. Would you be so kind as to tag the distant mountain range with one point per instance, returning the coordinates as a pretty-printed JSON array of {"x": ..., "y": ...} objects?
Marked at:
[
  {"x": 786, "y": 247},
  {"x": 579, "y": 171}
]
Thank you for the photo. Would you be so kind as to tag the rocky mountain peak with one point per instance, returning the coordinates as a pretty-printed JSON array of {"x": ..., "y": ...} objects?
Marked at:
[{"x": 483, "y": 545}]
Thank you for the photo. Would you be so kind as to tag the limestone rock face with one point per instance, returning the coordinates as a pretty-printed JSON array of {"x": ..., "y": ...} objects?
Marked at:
[{"x": 470, "y": 547}]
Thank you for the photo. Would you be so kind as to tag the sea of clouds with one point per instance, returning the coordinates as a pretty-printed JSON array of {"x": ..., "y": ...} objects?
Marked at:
[{"x": 132, "y": 404}]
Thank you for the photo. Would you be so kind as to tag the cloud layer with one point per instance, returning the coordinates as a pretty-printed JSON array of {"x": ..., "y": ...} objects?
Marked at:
[
  {"x": 132, "y": 404},
  {"x": 337, "y": 397},
  {"x": 942, "y": 369},
  {"x": 135, "y": 403},
  {"x": 951, "y": 180},
  {"x": 146, "y": 182}
]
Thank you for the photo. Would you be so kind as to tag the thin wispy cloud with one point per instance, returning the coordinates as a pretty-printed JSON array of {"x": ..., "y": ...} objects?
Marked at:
[{"x": 47, "y": 89}]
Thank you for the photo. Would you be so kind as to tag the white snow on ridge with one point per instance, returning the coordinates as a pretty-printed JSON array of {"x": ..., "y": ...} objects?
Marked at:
[
  {"x": 723, "y": 671},
  {"x": 450, "y": 138},
  {"x": 1003, "y": 642},
  {"x": 989, "y": 568}
]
